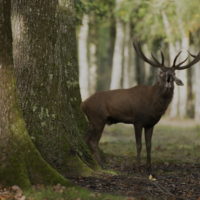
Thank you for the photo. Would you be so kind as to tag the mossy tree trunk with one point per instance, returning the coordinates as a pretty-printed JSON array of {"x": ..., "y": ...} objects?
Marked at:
[
  {"x": 45, "y": 62},
  {"x": 43, "y": 58},
  {"x": 20, "y": 162}
]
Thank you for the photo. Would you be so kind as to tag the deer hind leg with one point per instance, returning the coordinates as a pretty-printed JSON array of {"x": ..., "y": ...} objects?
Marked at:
[
  {"x": 138, "y": 138},
  {"x": 148, "y": 136},
  {"x": 93, "y": 138}
]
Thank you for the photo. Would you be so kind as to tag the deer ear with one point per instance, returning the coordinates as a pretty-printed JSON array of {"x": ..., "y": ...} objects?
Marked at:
[{"x": 178, "y": 81}]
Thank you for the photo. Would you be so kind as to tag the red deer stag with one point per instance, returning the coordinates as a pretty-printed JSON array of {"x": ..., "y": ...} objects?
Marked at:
[{"x": 141, "y": 105}]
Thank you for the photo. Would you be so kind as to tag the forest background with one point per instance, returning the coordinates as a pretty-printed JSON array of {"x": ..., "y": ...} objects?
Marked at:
[{"x": 106, "y": 56}]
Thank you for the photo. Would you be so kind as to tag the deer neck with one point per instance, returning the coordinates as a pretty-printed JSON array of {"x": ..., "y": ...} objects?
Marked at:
[
  {"x": 162, "y": 98},
  {"x": 163, "y": 91}
]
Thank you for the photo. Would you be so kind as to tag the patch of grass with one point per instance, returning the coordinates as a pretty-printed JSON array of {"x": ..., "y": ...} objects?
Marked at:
[
  {"x": 169, "y": 143},
  {"x": 69, "y": 193}
]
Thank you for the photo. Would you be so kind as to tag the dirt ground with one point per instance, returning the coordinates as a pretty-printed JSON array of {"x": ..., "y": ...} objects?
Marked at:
[{"x": 175, "y": 160}]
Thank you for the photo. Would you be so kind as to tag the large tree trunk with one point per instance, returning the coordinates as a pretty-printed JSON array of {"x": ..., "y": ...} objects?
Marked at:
[
  {"x": 116, "y": 75},
  {"x": 20, "y": 162},
  {"x": 45, "y": 61},
  {"x": 83, "y": 57}
]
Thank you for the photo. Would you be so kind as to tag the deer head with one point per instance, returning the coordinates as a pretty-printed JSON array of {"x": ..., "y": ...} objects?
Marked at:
[{"x": 167, "y": 75}]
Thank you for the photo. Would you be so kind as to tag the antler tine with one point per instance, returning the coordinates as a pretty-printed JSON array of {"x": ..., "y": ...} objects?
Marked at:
[
  {"x": 163, "y": 58},
  {"x": 191, "y": 54},
  {"x": 175, "y": 59},
  {"x": 139, "y": 51},
  {"x": 196, "y": 59},
  {"x": 155, "y": 59},
  {"x": 177, "y": 66}
]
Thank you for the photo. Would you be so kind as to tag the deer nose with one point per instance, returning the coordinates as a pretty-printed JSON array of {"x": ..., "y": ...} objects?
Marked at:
[{"x": 168, "y": 78}]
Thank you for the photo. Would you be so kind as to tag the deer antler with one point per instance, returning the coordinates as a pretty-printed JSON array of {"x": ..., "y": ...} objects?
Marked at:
[
  {"x": 154, "y": 62},
  {"x": 179, "y": 67}
]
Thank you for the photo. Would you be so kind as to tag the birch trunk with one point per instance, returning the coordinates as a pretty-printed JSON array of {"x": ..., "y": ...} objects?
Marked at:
[
  {"x": 83, "y": 57},
  {"x": 116, "y": 74},
  {"x": 126, "y": 65},
  {"x": 196, "y": 89},
  {"x": 182, "y": 74},
  {"x": 93, "y": 68},
  {"x": 174, "y": 108},
  {"x": 197, "y": 92},
  {"x": 133, "y": 70}
]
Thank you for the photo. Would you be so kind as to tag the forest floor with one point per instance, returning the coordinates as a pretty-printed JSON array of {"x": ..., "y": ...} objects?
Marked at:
[{"x": 175, "y": 161}]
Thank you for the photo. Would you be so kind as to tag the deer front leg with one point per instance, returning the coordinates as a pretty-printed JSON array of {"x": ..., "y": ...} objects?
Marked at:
[
  {"x": 138, "y": 138},
  {"x": 148, "y": 136},
  {"x": 94, "y": 136}
]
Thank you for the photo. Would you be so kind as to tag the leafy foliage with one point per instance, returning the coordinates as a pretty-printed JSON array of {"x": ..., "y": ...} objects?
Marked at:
[{"x": 99, "y": 8}]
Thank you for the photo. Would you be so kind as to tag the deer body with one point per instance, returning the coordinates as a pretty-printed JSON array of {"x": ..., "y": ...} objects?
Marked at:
[
  {"x": 137, "y": 105},
  {"x": 141, "y": 105}
]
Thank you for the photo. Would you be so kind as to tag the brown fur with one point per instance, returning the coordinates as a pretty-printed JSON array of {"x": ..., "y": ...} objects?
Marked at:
[{"x": 141, "y": 105}]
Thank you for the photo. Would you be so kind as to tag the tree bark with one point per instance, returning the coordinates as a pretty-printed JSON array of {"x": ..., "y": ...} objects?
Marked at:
[
  {"x": 45, "y": 61},
  {"x": 20, "y": 162}
]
